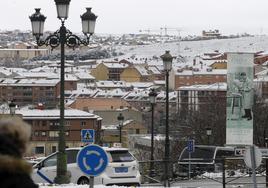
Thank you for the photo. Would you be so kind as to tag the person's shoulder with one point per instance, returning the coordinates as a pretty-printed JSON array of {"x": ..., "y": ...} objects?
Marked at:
[
  {"x": 26, "y": 181},
  {"x": 16, "y": 181}
]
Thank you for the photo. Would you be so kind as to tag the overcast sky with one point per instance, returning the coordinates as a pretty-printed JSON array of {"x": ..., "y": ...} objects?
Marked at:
[{"x": 130, "y": 16}]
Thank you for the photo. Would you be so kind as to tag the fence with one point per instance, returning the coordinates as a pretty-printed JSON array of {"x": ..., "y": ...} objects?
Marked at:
[{"x": 224, "y": 171}]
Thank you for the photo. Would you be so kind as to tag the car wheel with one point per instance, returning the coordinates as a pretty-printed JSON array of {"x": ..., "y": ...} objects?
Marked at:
[{"x": 83, "y": 181}]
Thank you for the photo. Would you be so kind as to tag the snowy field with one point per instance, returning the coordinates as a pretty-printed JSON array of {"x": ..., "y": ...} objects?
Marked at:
[{"x": 193, "y": 48}]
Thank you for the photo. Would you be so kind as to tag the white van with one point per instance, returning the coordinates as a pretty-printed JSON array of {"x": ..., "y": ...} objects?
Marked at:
[{"x": 122, "y": 168}]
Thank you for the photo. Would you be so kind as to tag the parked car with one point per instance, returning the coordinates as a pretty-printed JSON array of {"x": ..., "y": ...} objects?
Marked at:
[
  {"x": 122, "y": 168},
  {"x": 204, "y": 158}
]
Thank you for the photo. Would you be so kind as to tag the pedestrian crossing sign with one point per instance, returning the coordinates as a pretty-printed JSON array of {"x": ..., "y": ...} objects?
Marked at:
[{"x": 87, "y": 135}]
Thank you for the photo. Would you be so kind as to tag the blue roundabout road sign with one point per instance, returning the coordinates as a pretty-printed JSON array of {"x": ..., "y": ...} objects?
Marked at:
[{"x": 92, "y": 160}]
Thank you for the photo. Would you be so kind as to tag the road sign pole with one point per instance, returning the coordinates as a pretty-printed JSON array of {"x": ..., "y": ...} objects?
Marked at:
[
  {"x": 223, "y": 173},
  {"x": 189, "y": 174},
  {"x": 91, "y": 181},
  {"x": 253, "y": 162},
  {"x": 266, "y": 164}
]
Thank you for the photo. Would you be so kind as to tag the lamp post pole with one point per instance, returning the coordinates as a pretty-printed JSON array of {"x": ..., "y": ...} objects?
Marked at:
[
  {"x": 266, "y": 162},
  {"x": 62, "y": 175},
  {"x": 120, "y": 133},
  {"x": 12, "y": 108},
  {"x": 208, "y": 132},
  {"x": 120, "y": 119},
  {"x": 167, "y": 61},
  {"x": 61, "y": 38},
  {"x": 152, "y": 96}
]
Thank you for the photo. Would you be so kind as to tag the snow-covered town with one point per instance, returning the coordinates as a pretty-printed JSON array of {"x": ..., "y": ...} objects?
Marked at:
[{"x": 153, "y": 99}]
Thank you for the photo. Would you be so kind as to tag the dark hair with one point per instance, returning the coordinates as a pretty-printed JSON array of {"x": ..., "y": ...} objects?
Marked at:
[{"x": 15, "y": 132}]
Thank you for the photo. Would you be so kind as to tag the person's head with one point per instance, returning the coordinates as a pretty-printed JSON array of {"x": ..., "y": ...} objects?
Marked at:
[
  {"x": 243, "y": 76},
  {"x": 14, "y": 137}
]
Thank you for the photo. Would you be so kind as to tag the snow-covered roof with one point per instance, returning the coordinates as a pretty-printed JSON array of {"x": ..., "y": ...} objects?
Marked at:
[
  {"x": 117, "y": 93},
  {"x": 115, "y": 127},
  {"x": 70, "y": 77},
  {"x": 142, "y": 70},
  {"x": 139, "y": 84},
  {"x": 84, "y": 76},
  {"x": 154, "y": 70},
  {"x": 159, "y": 82},
  {"x": 221, "y": 86},
  {"x": 261, "y": 79},
  {"x": 162, "y": 96},
  {"x": 55, "y": 114},
  {"x": 116, "y": 65},
  {"x": 81, "y": 92},
  {"x": 29, "y": 82},
  {"x": 262, "y": 73},
  {"x": 37, "y": 75}
]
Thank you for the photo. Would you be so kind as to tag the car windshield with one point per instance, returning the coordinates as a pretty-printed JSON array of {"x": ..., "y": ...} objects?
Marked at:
[
  {"x": 204, "y": 154},
  {"x": 121, "y": 156}
]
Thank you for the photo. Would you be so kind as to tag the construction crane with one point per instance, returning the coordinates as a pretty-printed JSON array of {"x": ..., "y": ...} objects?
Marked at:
[
  {"x": 150, "y": 30},
  {"x": 166, "y": 29}
]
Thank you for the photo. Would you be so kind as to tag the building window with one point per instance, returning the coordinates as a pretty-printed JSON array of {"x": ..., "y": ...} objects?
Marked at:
[
  {"x": 67, "y": 123},
  {"x": 36, "y": 133},
  {"x": 54, "y": 134},
  {"x": 54, "y": 123},
  {"x": 83, "y": 123},
  {"x": 53, "y": 149},
  {"x": 39, "y": 150},
  {"x": 43, "y": 133},
  {"x": 137, "y": 131}
]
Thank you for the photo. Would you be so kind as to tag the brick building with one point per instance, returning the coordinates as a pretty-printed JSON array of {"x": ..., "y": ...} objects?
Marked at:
[
  {"x": 45, "y": 128},
  {"x": 34, "y": 91},
  {"x": 193, "y": 76},
  {"x": 196, "y": 97},
  {"x": 30, "y": 91}
]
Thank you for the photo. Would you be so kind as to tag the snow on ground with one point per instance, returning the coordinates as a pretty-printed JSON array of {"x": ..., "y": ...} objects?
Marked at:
[
  {"x": 193, "y": 48},
  {"x": 74, "y": 186},
  {"x": 86, "y": 186}
]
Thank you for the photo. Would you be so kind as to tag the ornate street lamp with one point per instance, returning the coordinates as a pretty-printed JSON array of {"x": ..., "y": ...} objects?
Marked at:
[
  {"x": 209, "y": 133},
  {"x": 61, "y": 38},
  {"x": 12, "y": 108},
  {"x": 167, "y": 62},
  {"x": 88, "y": 22},
  {"x": 152, "y": 96},
  {"x": 62, "y": 8},
  {"x": 120, "y": 119}
]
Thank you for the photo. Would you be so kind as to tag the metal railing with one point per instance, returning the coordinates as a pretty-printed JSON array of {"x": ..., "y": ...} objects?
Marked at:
[{"x": 224, "y": 171}]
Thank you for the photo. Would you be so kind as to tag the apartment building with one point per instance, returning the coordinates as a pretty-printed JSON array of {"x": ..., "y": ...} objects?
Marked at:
[
  {"x": 197, "y": 97},
  {"x": 109, "y": 71},
  {"x": 45, "y": 128},
  {"x": 30, "y": 91},
  {"x": 196, "y": 75}
]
